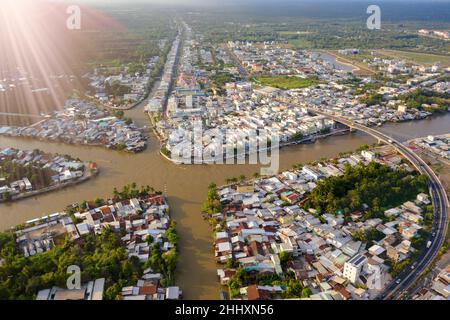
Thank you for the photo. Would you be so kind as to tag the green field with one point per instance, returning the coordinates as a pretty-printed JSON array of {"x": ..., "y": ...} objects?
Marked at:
[
  {"x": 301, "y": 43},
  {"x": 285, "y": 82},
  {"x": 417, "y": 57}
]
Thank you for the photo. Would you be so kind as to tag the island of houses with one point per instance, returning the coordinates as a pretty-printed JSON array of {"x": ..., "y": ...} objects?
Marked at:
[
  {"x": 25, "y": 173},
  {"x": 81, "y": 122}
]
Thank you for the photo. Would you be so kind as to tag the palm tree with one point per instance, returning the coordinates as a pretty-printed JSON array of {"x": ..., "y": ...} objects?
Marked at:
[{"x": 115, "y": 193}]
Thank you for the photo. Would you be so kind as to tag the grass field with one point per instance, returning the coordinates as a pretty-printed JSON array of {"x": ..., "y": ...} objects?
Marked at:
[
  {"x": 285, "y": 82},
  {"x": 417, "y": 57},
  {"x": 301, "y": 43}
]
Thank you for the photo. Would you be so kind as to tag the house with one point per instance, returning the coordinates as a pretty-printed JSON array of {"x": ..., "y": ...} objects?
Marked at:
[
  {"x": 93, "y": 290},
  {"x": 83, "y": 228},
  {"x": 255, "y": 292},
  {"x": 65, "y": 294},
  {"x": 411, "y": 206},
  {"x": 97, "y": 292},
  {"x": 392, "y": 253},
  {"x": 353, "y": 267},
  {"x": 368, "y": 155},
  {"x": 28, "y": 186},
  {"x": 245, "y": 189},
  {"x": 393, "y": 212},
  {"x": 376, "y": 250},
  {"x": 225, "y": 275},
  {"x": 424, "y": 198},
  {"x": 410, "y": 232},
  {"x": 312, "y": 173},
  {"x": 173, "y": 293}
]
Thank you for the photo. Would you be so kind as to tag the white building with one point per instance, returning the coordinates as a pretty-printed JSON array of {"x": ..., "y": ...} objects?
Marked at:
[
  {"x": 368, "y": 155},
  {"x": 353, "y": 267}
]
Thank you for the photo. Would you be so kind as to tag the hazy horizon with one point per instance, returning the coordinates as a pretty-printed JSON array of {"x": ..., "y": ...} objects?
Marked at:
[{"x": 246, "y": 2}]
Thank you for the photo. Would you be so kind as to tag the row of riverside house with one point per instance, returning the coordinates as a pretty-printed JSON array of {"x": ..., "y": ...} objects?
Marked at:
[{"x": 142, "y": 223}]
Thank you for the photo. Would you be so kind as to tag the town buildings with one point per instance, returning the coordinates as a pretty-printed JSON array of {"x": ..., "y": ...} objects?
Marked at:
[
  {"x": 43, "y": 172},
  {"x": 437, "y": 146},
  {"x": 264, "y": 219},
  {"x": 81, "y": 122},
  {"x": 142, "y": 223},
  {"x": 227, "y": 114},
  {"x": 438, "y": 289}
]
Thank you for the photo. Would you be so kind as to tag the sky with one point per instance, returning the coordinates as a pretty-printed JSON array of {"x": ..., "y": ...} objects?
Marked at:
[{"x": 391, "y": 8}]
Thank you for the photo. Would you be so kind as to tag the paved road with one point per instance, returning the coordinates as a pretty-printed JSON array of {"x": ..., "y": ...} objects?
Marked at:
[
  {"x": 238, "y": 63},
  {"x": 398, "y": 287}
]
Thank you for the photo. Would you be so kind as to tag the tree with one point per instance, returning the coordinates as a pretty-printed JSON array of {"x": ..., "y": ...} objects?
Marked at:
[
  {"x": 99, "y": 202},
  {"x": 116, "y": 193},
  {"x": 231, "y": 264},
  {"x": 119, "y": 114},
  {"x": 375, "y": 184},
  {"x": 364, "y": 147},
  {"x": 212, "y": 203},
  {"x": 100, "y": 255},
  {"x": 149, "y": 239},
  {"x": 368, "y": 236},
  {"x": 113, "y": 292},
  {"x": 306, "y": 293},
  {"x": 294, "y": 289},
  {"x": 285, "y": 258},
  {"x": 171, "y": 233},
  {"x": 170, "y": 261},
  {"x": 155, "y": 261},
  {"x": 6, "y": 196}
]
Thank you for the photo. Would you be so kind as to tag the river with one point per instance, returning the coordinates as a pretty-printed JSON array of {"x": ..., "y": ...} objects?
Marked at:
[
  {"x": 334, "y": 62},
  {"x": 185, "y": 187}
]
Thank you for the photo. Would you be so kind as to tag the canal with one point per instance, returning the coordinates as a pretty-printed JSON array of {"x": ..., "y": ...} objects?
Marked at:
[{"x": 185, "y": 187}]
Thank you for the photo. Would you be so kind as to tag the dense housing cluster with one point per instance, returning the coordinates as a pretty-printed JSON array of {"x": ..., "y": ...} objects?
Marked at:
[
  {"x": 273, "y": 245},
  {"x": 135, "y": 226},
  {"x": 436, "y": 145},
  {"x": 29, "y": 172},
  {"x": 83, "y": 123}
]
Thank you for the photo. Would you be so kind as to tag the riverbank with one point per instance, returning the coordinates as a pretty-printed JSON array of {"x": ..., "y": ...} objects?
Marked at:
[
  {"x": 358, "y": 68},
  {"x": 307, "y": 140},
  {"x": 89, "y": 174},
  {"x": 59, "y": 141},
  {"x": 82, "y": 122}
]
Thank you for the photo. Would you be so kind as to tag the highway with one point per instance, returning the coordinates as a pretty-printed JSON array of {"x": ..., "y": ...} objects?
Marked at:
[
  {"x": 237, "y": 63},
  {"x": 399, "y": 286}
]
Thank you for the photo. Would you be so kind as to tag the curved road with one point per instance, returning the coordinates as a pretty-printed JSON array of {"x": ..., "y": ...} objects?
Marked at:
[{"x": 411, "y": 274}]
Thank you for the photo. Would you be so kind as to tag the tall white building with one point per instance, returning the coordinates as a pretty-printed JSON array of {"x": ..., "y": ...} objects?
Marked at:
[{"x": 354, "y": 266}]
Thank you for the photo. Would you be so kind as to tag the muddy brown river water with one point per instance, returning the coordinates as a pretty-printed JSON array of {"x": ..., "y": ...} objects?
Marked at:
[{"x": 185, "y": 187}]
